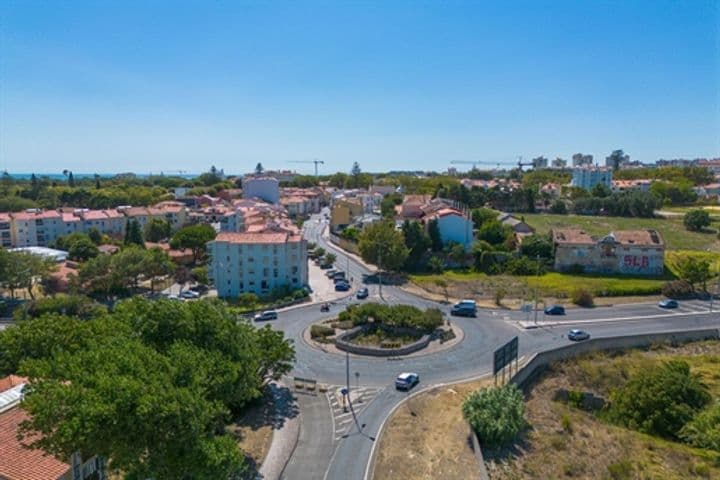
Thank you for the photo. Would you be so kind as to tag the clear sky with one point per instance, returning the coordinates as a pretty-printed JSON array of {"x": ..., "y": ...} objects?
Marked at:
[{"x": 126, "y": 86}]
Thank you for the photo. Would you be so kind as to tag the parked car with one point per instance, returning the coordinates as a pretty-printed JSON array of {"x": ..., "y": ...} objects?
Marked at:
[
  {"x": 407, "y": 380},
  {"x": 342, "y": 287},
  {"x": 266, "y": 315},
  {"x": 200, "y": 288},
  {"x": 464, "y": 308},
  {"x": 330, "y": 273},
  {"x": 339, "y": 274},
  {"x": 668, "y": 303},
  {"x": 190, "y": 294},
  {"x": 325, "y": 307},
  {"x": 325, "y": 266},
  {"x": 555, "y": 310},
  {"x": 362, "y": 293},
  {"x": 578, "y": 335},
  {"x": 172, "y": 296}
]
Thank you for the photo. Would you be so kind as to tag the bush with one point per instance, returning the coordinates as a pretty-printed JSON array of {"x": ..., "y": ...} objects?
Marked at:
[
  {"x": 524, "y": 266},
  {"x": 678, "y": 289},
  {"x": 71, "y": 305},
  {"x": 496, "y": 414},
  {"x": 696, "y": 220},
  {"x": 393, "y": 316},
  {"x": 583, "y": 298},
  {"x": 622, "y": 470},
  {"x": 660, "y": 399},
  {"x": 317, "y": 331},
  {"x": 248, "y": 299},
  {"x": 576, "y": 269},
  {"x": 558, "y": 207},
  {"x": 703, "y": 431}
]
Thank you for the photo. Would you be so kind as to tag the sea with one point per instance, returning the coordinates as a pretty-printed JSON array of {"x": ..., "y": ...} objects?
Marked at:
[{"x": 78, "y": 176}]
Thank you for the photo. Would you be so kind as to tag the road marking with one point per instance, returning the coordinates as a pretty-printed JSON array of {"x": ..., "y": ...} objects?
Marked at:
[{"x": 530, "y": 325}]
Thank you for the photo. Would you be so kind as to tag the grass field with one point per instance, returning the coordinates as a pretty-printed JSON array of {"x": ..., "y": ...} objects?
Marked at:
[
  {"x": 672, "y": 229},
  {"x": 565, "y": 442}
]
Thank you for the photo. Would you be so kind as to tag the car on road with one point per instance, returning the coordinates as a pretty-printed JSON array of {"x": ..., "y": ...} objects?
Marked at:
[
  {"x": 555, "y": 310},
  {"x": 668, "y": 303},
  {"x": 406, "y": 380},
  {"x": 190, "y": 294},
  {"x": 464, "y": 308},
  {"x": 266, "y": 315},
  {"x": 362, "y": 293},
  {"x": 578, "y": 335},
  {"x": 325, "y": 307},
  {"x": 342, "y": 287}
]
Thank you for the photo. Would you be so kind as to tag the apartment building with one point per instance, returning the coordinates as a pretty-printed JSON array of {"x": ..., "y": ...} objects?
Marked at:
[
  {"x": 5, "y": 231},
  {"x": 264, "y": 188},
  {"x": 36, "y": 227},
  {"x": 588, "y": 177},
  {"x": 257, "y": 263}
]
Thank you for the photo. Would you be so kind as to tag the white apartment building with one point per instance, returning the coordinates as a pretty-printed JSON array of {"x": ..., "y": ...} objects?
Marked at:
[
  {"x": 588, "y": 177},
  {"x": 5, "y": 231},
  {"x": 264, "y": 188},
  {"x": 36, "y": 227},
  {"x": 257, "y": 262}
]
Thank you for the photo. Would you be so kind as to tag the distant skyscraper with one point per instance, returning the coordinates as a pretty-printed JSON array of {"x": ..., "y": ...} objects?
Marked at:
[{"x": 579, "y": 160}]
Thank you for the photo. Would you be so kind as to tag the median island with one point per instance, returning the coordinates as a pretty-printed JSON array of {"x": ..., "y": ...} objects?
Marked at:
[{"x": 380, "y": 330}]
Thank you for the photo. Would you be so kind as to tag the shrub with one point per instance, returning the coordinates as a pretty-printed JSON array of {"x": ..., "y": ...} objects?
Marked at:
[
  {"x": 524, "y": 266},
  {"x": 496, "y": 414},
  {"x": 71, "y": 305},
  {"x": 247, "y": 299},
  {"x": 575, "y": 269},
  {"x": 558, "y": 207},
  {"x": 678, "y": 289},
  {"x": 392, "y": 316},
  {"x": 566, "y": 423},
  {"x": 621, "y": 470},
  {"x": 583, "y": 298},
  {"x": 696, "y": 220},
  {"x": 575, "y": 398},
  {"x": 703, "y": 431},
  {"x": 317, "y": 331},
  {"x": 659, "y": 399}
]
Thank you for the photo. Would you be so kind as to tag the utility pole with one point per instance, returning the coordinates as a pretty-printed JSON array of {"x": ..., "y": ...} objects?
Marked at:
[
  {"x": 347, "y": 372},
  {"x": 536, "y": 290},
  {"x": 380, "y": 270}
]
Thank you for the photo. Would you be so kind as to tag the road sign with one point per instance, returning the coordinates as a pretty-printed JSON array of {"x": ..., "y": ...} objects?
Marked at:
[
  {"x": 344, "y": 391},
  {"x": 505, "y": 354}
]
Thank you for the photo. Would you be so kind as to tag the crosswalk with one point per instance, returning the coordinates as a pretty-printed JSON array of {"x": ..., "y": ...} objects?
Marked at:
[{"x": 342, "y": 418}]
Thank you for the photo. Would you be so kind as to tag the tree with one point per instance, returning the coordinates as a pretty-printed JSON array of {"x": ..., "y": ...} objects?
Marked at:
[
  {"x": 98, "y": 278},
  {"x": 600, "y": 190},
  {"x": 694, "y": 270},
  {"x": 417, "y": 242},
  {"x": 558, "y": 207},
  {"x": 383, "y": 245},
  {"x": 457, "y": 253},
  {"x": 182, "y": 276},
  {"x": 440, "y": 282},
  {"x": 537, "y": 245},
  {"x": 355, "y": 174},
  {"x": 20, "y": 270},
  {"x": 696, "y": 220},
  {"x": 81, "y": 248},
  {"x": 388, "y": 204},
  {"x": 436, "y": 243},
  {"x": 659, "y": 400},
  {"x": 133, "y": 234},
  {"x": 329, "y": 258},
  {"x": 95, "y": 236},
  {"x": 259, "y": 169},
  {"x": 436, "y": 264},
  {"x": 157, "y": 264},
  {"x": 496, "y": 414},
  {"x": 157, "y": 229},
  {"x": 482, "y": 215},
  {"x": 194, "y": 237},
  {"x": 617, "y": 158},
  {"x": 494, "y": 232}
]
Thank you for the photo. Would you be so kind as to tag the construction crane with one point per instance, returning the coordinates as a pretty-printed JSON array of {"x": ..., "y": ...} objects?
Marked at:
[
  {"x": 520, "y": 163},
  {"x": 316, "y": 162}
]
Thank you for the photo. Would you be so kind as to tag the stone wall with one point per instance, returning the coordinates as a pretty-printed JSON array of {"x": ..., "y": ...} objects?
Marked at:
[{"x": 342, "y": 342}]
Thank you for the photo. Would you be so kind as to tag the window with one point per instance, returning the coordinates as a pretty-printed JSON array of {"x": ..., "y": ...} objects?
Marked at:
[
  {"x": 294, "y": 270},
  {"x": 265, "y": 272},
  {"x": 264, "y": 285},
  {"x": 275, "y": 272}
]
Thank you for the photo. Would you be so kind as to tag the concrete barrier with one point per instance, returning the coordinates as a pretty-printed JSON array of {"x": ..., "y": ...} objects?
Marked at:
[
  {"x": 540, "y": 361},
  {"x": 342, "y": 342}
]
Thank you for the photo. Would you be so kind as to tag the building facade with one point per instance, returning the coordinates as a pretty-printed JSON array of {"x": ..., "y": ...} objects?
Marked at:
[
  {"x": 257, "y": 262},
  {"x": 264, "y": 188},
  {"x": 588, "y": 177},
  {"x": 627, "y": 252}
]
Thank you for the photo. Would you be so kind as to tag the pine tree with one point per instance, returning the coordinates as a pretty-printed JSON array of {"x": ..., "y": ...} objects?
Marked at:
[{"x": 133, "y": 234}]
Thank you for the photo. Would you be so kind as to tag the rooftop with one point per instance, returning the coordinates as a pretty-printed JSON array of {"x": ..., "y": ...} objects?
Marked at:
[{"x": 257, "y": 238}]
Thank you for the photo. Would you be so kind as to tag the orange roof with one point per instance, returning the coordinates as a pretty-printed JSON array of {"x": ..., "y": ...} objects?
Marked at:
[
  {"x": 11, "y": 381},
  {"x": 94, "y": 215},
  {"x": 37, "y": 216},
  {"x": 571, "y": 235},
  {"x": 20, "y": 463},
  {"x": 69, "y": 217},
  {"x": 4, "y": 217},
  {"x": 638, "y": 237},
  {"x": 247, "y": 237}
]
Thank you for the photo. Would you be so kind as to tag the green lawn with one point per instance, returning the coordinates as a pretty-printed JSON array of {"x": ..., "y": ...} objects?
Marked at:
[{"x": 672, "y": 230}]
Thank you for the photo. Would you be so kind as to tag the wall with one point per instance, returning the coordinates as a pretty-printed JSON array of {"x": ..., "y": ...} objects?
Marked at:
[{"x": 342, "y": 344}]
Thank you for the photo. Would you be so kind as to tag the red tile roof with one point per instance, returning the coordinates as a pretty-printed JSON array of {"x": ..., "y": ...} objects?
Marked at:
[
  {"x": 245, "y": 238},
  {"x": 94, "y": 215},
  {"x": 11, "y": 381}
]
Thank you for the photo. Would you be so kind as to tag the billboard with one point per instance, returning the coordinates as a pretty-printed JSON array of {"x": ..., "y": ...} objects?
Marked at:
[{"x": 505, "y": 354}]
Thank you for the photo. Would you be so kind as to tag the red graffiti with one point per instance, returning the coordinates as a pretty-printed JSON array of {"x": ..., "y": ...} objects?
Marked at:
[{"x": 633, "y": 261}]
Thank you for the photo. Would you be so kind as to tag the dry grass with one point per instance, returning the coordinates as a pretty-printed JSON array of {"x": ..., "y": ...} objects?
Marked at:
[
  {"x": 565, "y": 442},
  {"x": 427, "y": 438},
  {"x": 253, "y": 431}
]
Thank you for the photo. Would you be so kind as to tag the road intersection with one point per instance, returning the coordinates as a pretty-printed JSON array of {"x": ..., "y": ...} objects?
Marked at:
[{"x": 345, "y": 453}]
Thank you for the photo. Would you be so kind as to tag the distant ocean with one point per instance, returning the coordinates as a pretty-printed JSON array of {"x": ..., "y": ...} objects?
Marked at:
[{"x": 78, "y": 176}]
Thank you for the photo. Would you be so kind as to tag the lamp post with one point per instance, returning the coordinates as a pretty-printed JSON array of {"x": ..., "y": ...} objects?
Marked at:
[{"x": 536, "y": 289}]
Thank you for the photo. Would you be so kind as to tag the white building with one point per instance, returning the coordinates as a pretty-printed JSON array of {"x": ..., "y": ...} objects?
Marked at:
[
  {"x": 588, "y": 177},
  {"x": 264, "y": 188},
  {"x": 257, "y": 262},
  {"x": 454, "y": 226},
  {"x": 5, "y": 231}
]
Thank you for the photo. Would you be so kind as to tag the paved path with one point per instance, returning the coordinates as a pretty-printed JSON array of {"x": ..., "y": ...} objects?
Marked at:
[
  {"x": 285, "y": 436},
  {"x": 315, "y": 445}
]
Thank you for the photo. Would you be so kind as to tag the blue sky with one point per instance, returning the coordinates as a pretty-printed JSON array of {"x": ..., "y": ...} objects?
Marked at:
[{"x": 151, "y": 86}]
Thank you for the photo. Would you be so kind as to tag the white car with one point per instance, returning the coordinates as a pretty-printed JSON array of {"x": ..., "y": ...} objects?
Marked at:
[
  {"x": 190, "y": 294},
  {"x": 266, "y": 315},
  {"x": 407, "y": 380}
]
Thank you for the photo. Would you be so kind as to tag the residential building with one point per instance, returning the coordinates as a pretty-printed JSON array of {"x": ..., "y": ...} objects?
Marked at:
[
  {"x": 551, "y": 189},
  {"x": 559, "y": 163},
  {"x": 383, "y": 190},
  {"x": 518, "y": 226},
  {"x": 454, "y": 226},
  {"x": 36, "y": 227},
  {"x": 411, "y": 206},
  {"x": 632, "y": 252},
  {"x": 265, "y": 188},
  {"x": 17, "y": 461},
  {"x": 540, "y": 162},
  {"x": 281, "y": 175},
  {"x": 640, "y": 185},
  {"x": 5, "y": 230},
  {"x": 708, "y": 191},
  {"x": 296, "y": 206},
  {"x": 588, "y": 177},
  {"x": 580, "y": 160},
  {"x": 343, "y": 213},
  {"x": 258, "y": 262}
]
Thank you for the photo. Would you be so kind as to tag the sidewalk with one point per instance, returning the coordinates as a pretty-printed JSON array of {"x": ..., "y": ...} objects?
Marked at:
[
  {"x": 286, "y": 435},
  {"x": 323, "y": 289},
  {"x": 325, "y": 234}
]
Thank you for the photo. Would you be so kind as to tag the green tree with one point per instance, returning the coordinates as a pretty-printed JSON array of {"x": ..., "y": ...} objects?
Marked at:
[
  {"x": 133, "y": 234},
  {"x": 259, "y": 169},
  {"x": 537, "y": 245},
  {"x": 696, "y": 220},
  {"x": 496, "y": 414},
  {"x": 616, "y": 158},
  {"x": 383, "y": 245},
  {"x": 694, "y": 270},
  {"x": 436, "y": 243},
  {"x": 417, "y": 242},
  {"x": 95, "y": 235},
  {"x": 157, "y": 263},
  {"x": 483, "y": 215},
  {"x": 600, "y": 190},
  {"x": 329, "y": 259},
  {"x": 81, "y": 248},
  {"x": 157, "y": 229},
  {"x": 457, "y": 253},
  {"x": 200, "y": 274},
  {"x": 558, "y": 207},
  {"x": 388, "y": 204},
  {"x": 182, "y": 276},
  {"x": 98, "y": 278},
  {"x": 355, "y": 174},
  {"x": 494, "y": 232},
  {"x": 660, "y": 399},
  {"x": 21, "y": 269},
  {"x": 436, "y": 264},
  {"x": 194, "y": 237}
]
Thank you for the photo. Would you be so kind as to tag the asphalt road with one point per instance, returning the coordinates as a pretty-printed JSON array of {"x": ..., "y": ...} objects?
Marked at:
[{"x": 472, "y": 357}]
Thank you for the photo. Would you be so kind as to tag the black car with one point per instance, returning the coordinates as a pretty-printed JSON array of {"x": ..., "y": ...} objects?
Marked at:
[
  {"x": 555, "y": 310},
  {"x": 362, "y": 293}
]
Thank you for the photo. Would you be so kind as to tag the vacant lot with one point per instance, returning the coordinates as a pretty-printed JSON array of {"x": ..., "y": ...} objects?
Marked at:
[
  {"x": 253, "y": 431},
  {"x": 565, "y": 442},
  {"x": 672, "y": 229},
  {"x": 427, "y": 438}
]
